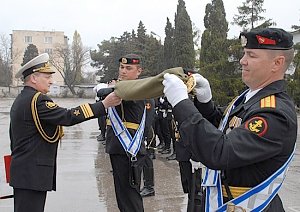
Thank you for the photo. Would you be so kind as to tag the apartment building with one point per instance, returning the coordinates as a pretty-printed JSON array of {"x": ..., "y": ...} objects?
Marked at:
[
  {"x": 45, "y": 41},
  {"x": 296, "y": 36}
]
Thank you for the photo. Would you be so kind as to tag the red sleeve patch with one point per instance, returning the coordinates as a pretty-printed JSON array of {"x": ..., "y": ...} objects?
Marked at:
[{"x": 257, "y": 125}]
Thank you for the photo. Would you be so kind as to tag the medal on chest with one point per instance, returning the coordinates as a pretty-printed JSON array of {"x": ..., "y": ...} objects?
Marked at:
[{"x": 233, "y": 123}]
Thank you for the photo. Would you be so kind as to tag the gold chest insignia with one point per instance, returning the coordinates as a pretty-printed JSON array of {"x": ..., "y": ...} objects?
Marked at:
[
  {"x": 257, "y": 125},
  {"x": 235, "y": 122},
  {"x": 51, "y": 105},
  {"x": 76, "y": 112}
]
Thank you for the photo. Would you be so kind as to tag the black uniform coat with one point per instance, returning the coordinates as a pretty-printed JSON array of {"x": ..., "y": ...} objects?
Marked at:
[
  {"x": 247, "y": 155},
  {"x": 33, "y": 164},
  {"x": 129, "y": 111}
]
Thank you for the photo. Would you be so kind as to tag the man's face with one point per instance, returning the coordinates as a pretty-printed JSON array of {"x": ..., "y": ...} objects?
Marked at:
[
  {"x": 257, "y": 67},
  {"x": 129, "y": 72},
  {"x": 42, "y": 81}
]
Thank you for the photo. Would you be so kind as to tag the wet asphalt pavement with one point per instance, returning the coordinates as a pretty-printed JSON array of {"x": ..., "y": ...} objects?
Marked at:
[{"x": 84, "y": 178}]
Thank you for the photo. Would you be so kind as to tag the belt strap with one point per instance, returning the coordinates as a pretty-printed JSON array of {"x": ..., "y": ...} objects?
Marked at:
[
  {"x": 235, "y": 191},
  {"x": 129, "y": 125}
]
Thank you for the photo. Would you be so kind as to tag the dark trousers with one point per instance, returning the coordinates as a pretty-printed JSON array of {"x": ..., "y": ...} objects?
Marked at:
[
  {"x": 193, "y": 189},
  {"x": 128, "y": 197},
  {"x": 148, "y": 172},
  {"x": 172, "y": 127},
  {"x": 150, "y": 141},
  {"x": 29, "y": 200},
  {"x": 164, "y": 125},
  {"x": 102, "y": 125},
  {"x": 157, "y": 130}
]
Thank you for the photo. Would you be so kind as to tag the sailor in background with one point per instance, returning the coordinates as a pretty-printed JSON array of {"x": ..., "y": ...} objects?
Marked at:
[
  {"x": 101, "y": 119},
  {"x": 149, "y": 138}
]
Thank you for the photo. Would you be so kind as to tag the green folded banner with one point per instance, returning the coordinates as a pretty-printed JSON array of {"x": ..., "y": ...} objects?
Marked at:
[{"x": 147, "y": 88}]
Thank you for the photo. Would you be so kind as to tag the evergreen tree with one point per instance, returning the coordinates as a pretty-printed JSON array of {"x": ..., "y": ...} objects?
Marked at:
[
  {"x": 77, "y": 50},
  {"x": 214, "y": 38},
  {"x": 169, "y": 46},
  {"x": 250, "y": 13},
  {"x": 30, "y": 53},
  {"x": 108, "y": 53},
  {"x": 215, "y": 62},
  {"x": 152, "y": 60},
  {"x": 106, "y": 58},
  {"x": 183, "y": 38},
  {"x": 294, "y": 80},
  {"x": 141, "y": 39}
]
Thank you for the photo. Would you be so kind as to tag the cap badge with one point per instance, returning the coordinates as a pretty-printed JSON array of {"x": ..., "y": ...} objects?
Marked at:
[
  {"x": 45, "y": 67},
  {"x": 243, "y": 40},
  {"x": 124, "y": 60},
  {"x": 265, "y": 41}
]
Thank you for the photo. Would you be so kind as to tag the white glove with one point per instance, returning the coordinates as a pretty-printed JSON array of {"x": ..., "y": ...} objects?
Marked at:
[
  {"x": 161, "y": 100},
  {"x": 175, "y": 90},
  {"x": 195, "y": 165},
  {"x": 202, "y": 88},
  {"x": 164, "y": 114}
]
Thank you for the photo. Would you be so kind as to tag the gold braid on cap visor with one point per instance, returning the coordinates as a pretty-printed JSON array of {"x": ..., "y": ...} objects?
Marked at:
[
  {"x": 44, "y": 68},
  {"x": 58, "y": 134}
]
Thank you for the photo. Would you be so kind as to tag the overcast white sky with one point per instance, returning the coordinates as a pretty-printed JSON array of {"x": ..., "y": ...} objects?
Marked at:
[{"x": 98, "y": 20}]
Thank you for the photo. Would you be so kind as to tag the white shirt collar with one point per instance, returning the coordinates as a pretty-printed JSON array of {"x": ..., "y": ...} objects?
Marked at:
[{"x": 251, "y": 94}]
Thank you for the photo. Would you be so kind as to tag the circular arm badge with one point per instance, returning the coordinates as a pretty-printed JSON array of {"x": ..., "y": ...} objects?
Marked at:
[{"x": 257, "y": 125}]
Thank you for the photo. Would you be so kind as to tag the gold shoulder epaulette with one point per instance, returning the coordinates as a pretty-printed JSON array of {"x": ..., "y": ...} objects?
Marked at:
[{"x": 269, "y": 101}]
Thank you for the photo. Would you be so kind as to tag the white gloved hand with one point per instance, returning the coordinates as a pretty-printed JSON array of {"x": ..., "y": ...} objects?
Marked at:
[
  {"x": 175, "y": 90},
  {"x": 164, "y": 114},
  {"x": 202, "y": 88},
  {"x": 161, "y": 100},
  {"x": 195, "y": 165}
]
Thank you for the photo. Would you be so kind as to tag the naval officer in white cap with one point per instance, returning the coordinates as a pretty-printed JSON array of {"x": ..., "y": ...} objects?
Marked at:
[{"x": 35, "y": 130}]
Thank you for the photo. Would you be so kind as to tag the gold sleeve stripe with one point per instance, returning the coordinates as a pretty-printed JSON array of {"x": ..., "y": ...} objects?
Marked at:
[
  {"x": 83, "y": 111},
  {"x": 87, "y": 110},
  {"x": 269, "y": 101}
]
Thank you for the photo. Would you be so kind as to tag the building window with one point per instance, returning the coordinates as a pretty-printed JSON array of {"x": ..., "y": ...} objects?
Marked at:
[
  {"x": 49, "y": 51},
  {"x": 48, "y": 39},
  {"x": 28, "y": 39}
]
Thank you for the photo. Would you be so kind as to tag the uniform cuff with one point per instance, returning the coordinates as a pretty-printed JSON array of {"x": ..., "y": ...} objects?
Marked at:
[{"x": 183, "y": 110}]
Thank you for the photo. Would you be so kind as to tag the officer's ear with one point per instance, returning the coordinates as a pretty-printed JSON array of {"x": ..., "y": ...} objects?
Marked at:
[
  {"x": 34, "y": 77},
  {"x": 278, "y": 63},
  {"x": 140, "y": 70}
]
